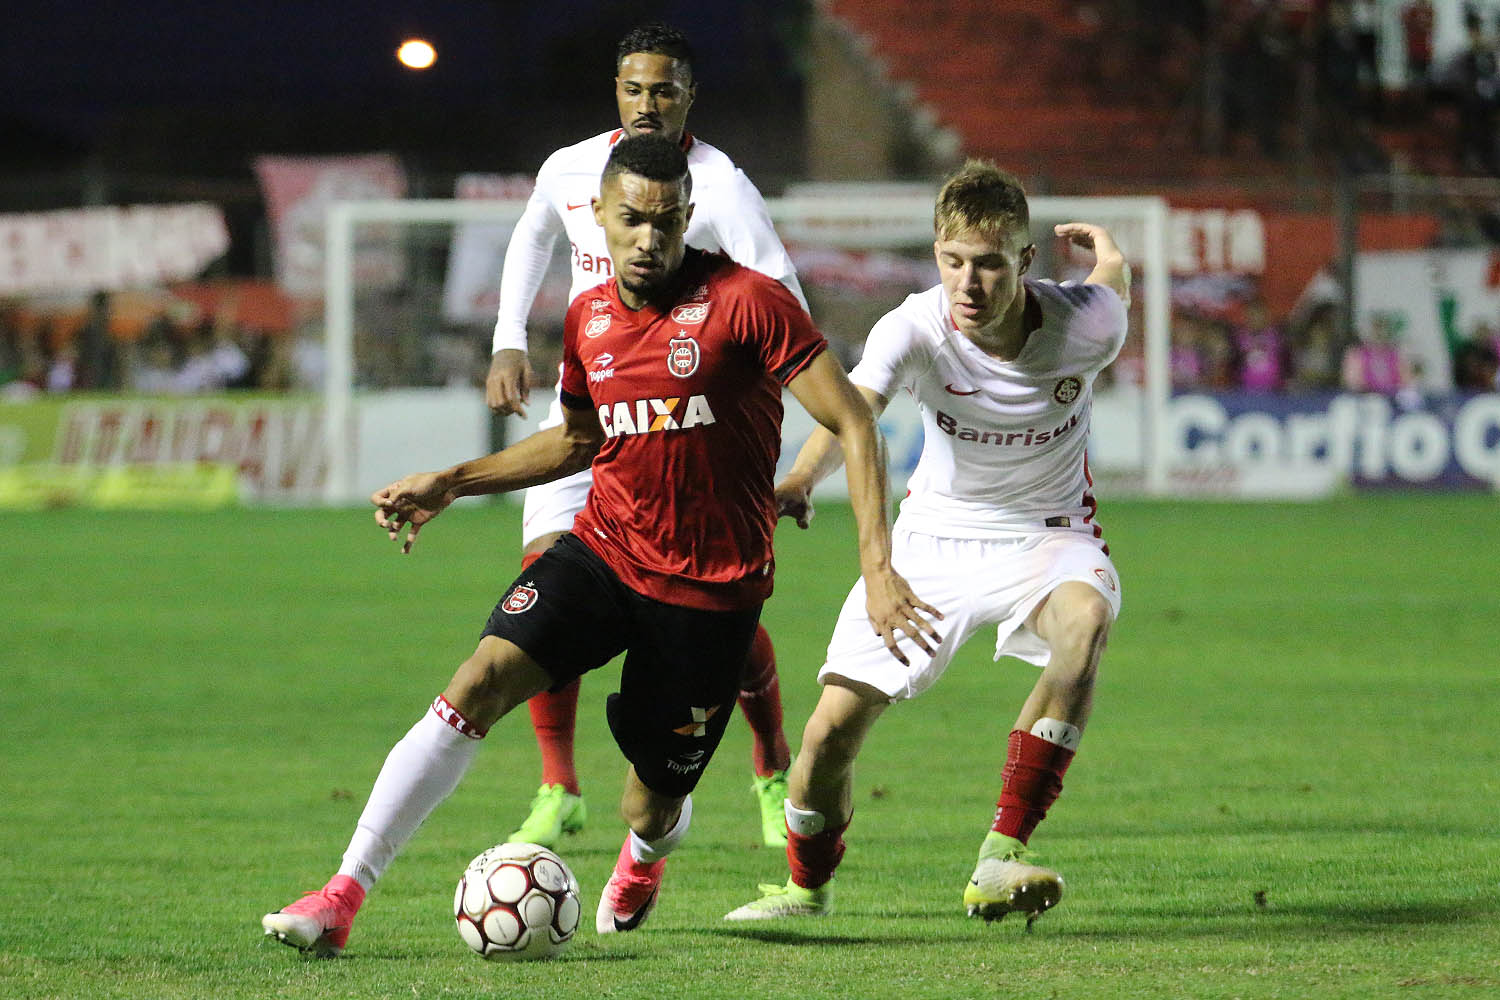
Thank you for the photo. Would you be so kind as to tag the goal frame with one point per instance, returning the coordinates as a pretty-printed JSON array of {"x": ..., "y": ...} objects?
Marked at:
[{"x": 904, "y": 216}]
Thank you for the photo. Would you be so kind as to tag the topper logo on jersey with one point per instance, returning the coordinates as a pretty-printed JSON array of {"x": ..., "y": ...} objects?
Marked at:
[
  {"x": 644, "y": 416},
  {"x": 1067, "y": 389},
  {"x": 595, "y": 305},
  {"x": 597, "y": 326},
  {"x": 682, "y": 356},
  {"x": 604, "y": 363},
  {"x": 690, "y": 315},
  {"x": 518, "y": 600},
  {"x": 1030, "y": 436}
]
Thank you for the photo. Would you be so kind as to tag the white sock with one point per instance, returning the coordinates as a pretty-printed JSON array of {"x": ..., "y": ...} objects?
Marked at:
[
  {"x": 1063, "y": 734},
  {"x": 803, "y": 822},
  {"x": 648, "y": 852},
  {"x": 421, "y": 771}
]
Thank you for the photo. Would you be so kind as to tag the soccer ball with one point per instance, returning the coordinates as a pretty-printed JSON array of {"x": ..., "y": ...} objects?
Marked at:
[{"x": 517, "y": 902}]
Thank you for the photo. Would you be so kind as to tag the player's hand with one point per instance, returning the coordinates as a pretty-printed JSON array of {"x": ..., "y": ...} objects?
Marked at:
[
  {"x": 893, "y": 608},
  {"x": 1088, "y": 236},
  {"x": 794, "y": 500},
  {"x": 409, "y": 503},
  {"x": 507, "y": 387}
]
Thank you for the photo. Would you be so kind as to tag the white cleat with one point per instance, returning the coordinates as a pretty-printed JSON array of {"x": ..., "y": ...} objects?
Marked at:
[{"x": 1006, "y": 885}]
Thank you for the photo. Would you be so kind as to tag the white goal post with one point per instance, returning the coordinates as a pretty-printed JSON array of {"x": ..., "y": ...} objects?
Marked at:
[{"x": 847, "y": 216}]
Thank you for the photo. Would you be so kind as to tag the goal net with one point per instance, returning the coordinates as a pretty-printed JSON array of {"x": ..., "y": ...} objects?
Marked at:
[{"x": 411, "y": 290}]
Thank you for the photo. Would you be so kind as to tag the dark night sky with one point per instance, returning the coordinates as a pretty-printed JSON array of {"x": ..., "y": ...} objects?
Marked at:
[{"x": 112, "y": 76}]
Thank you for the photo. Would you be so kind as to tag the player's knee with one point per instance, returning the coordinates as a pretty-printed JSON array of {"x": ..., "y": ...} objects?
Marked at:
[{"x": 497, "y": 677}]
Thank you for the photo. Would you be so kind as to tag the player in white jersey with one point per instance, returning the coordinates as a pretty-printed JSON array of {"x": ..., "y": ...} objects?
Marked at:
[
  {"x": 998, "y": 530},
  {"x": 654, "y": 90}
]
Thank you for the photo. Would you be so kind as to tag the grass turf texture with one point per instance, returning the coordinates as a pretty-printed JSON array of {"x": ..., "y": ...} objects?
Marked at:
[{"x": 1288, "y": 788}]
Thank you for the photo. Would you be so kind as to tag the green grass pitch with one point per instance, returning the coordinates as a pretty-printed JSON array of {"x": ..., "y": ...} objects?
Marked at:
[{"x": 1290, "y": 786}]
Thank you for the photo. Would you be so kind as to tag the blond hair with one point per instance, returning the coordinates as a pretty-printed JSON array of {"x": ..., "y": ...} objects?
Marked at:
[{"x": 984, "y": 200}]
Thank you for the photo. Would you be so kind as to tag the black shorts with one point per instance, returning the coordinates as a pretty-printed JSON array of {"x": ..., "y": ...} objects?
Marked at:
[{"x": 571, "y": 614}]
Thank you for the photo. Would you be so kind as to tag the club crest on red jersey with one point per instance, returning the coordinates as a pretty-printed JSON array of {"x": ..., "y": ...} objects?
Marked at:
[
  {"x": 690, "y": 314},
  {"x": 518, "y": 600},
  {"x": 682, "y": 356},
  {"x": 1067, "y": 389},
  {"x": 596, "y": 326}
]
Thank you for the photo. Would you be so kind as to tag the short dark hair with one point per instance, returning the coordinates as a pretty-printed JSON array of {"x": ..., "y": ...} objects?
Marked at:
[
  {"x": 659, "y": 39},
  {"x": 983, "y": 199},
  {"x": 650, "y": 156}
]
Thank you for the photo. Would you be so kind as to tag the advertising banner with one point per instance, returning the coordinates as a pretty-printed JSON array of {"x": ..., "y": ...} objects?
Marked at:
[
  {"x": 108, "y": 249},
  {"x": 1250, "y": 444},
  {"x": 298, "y": 190}
]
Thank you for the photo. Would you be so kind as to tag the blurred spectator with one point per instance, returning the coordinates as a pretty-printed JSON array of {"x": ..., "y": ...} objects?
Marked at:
[
  {"x": 1257, "y": 64},
  {"x": 1476, "y": 367},
  {"x": 1262, "y": 351},
  {"x": 1416, "y": 29},
  {"x": 1366, "y": 17},
  {"x": 1187, "y": 363},
  {"x": 1476, "y": 89},
  {"x": 1316, "y": 354},
  {"x": 1376, "y": 364}
]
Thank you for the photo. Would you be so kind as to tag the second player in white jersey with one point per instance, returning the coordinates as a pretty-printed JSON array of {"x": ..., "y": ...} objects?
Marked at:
[
  {"x": 729, "y": 216},
  {"x": 1005, "y": 441}
]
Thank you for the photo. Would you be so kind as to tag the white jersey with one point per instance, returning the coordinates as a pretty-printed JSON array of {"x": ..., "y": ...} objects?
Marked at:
[
  {"x": 729, "y": 216},
  {"x": 1005, "y": 441}
]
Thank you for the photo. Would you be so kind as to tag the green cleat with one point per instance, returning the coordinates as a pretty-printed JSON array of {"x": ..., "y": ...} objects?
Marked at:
[
  {"x": 1003, "y": 883},
  {"x": 554, "y": 812},
  {"x": 770, "y": 793},
  {"x": 790, "y": 900}
]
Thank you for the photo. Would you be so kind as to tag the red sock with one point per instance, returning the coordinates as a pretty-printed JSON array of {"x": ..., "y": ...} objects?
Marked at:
[
  {"x": 814, "y": 858},
  {"x": 554, "y": 715},
  {"x": 1030, "y": 782},
  {"x": 760, "y": 700}
]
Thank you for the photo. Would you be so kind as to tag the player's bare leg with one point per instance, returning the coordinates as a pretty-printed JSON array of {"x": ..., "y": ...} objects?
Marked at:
[
  {"x": 819, "y": 801},
  {"x": 657, "y": 825},
  {"x": 558, "y": 806},
  {"x": 421, "y": 770},
  {"x": 1075, "y": 620}
]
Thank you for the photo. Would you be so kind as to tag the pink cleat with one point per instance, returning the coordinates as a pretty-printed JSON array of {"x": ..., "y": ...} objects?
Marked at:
[
  {"x": 630, "y": 894},
  {"x": 319, "y": 922}
]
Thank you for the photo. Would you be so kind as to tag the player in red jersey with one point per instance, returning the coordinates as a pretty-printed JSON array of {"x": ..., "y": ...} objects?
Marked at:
[
  {"x": 654, "y": 90},
  {"x": 672, "y": 376}
]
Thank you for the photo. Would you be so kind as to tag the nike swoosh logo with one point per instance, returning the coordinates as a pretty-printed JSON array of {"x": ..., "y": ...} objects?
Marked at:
[
  {"x": 637, "y": 916},
  {"x": 959, "y": 392},
  {"x": 581, "y": 204}
]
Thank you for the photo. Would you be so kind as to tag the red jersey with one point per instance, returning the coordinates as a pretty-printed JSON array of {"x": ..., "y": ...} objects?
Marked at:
[{"x": 689, "y": 397}]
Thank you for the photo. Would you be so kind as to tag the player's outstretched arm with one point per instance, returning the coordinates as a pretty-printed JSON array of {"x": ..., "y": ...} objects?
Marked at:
[
  {"x": 827, "y": 394},
  {"x": 549, "y": 454},
  {"x": 1110, "y": 266},
  {"x": 819, "y": 456}
]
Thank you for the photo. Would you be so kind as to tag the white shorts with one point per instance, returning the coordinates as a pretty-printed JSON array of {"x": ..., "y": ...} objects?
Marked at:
[
  {"x": 974, "y": 582},
  {"x": 551, "y": 507}
]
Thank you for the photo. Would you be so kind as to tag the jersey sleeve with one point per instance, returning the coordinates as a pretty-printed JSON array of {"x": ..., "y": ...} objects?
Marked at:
[
  {"x": 744, "y": 232},
  {"x": 526, "y": 259},
  {"x": 895, "y": 354},
  {"x": 1101, "y": 323},
  {"x": 777, "y": 328},
  {"x": 573, "y": 386}
]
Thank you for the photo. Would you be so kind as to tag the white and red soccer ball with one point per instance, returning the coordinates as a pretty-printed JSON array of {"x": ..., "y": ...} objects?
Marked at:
[{"x": 517, "y": 902}]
